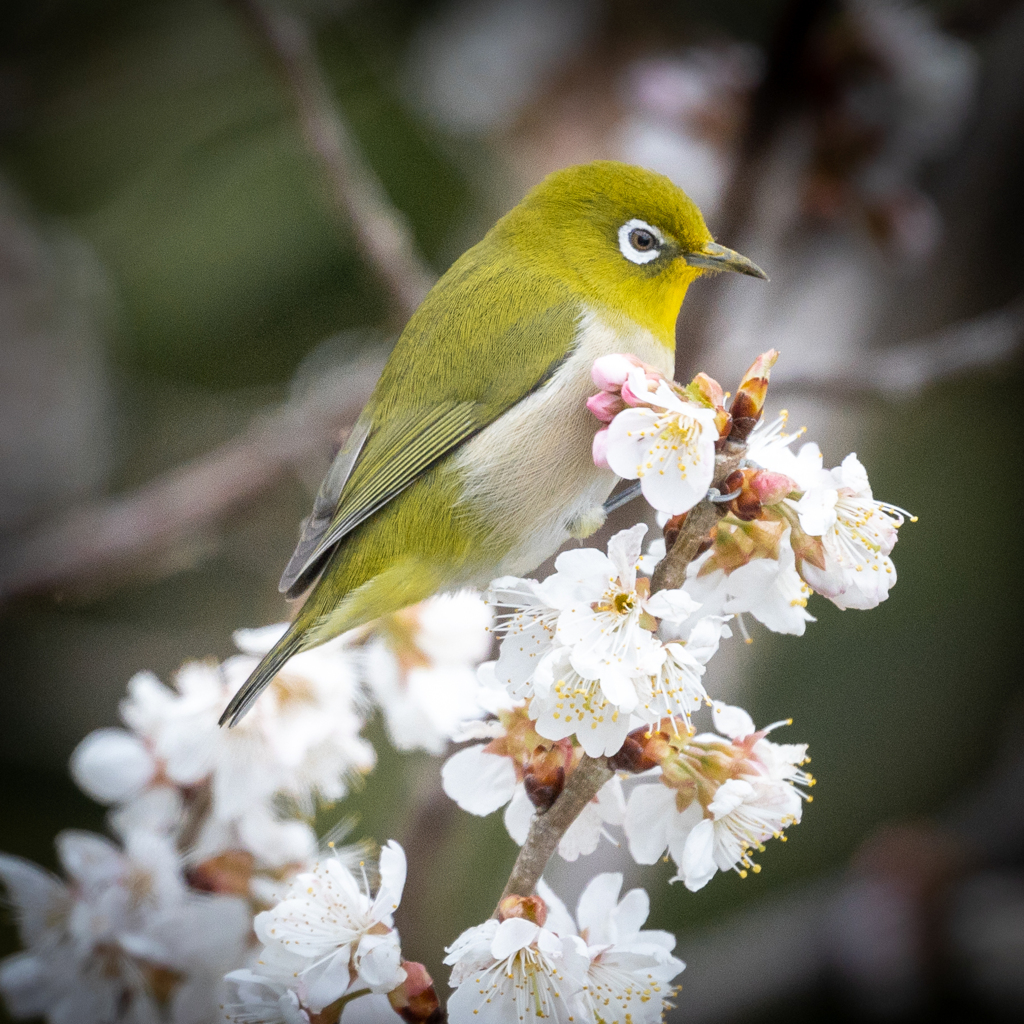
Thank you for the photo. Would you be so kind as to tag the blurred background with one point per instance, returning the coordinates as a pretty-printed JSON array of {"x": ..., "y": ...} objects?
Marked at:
[{"x": 196, "y": 290}]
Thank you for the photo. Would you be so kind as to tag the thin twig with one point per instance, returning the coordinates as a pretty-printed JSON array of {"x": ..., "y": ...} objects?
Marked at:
[
  {"x": 112, "y": 537},
  {"x": 384, "y": 236},
  {"x": 547, "y": 829}
]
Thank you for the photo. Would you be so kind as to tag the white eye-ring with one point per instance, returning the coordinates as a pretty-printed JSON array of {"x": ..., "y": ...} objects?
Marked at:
[{"x": 639, "y": 242}]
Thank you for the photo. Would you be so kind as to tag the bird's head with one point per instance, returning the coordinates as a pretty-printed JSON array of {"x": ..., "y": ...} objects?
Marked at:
[{"x": 623, "y": 238}]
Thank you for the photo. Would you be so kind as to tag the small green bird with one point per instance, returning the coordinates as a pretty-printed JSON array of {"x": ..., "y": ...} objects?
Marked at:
[{"x": 472, "y": 458}]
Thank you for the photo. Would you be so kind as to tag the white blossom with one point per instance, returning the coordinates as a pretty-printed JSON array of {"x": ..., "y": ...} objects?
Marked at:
[
  {"x": 670, "y": 447},
  {"x": 630, "y": 972},
  {"x": 721, "y": 800},
  {"x": 770, "y": 589},
  {"x": 514, "y": 972},
  {"x": 769, "y": 447},
  {"x": 300, "y": 740},
  {"x": 123, "y": 940},
  {"x": 858, "y": 534},
  {"x": 608, "y": 615},
  {"x": 421, "y": 669},
  {"x": 330, "y": 936}
]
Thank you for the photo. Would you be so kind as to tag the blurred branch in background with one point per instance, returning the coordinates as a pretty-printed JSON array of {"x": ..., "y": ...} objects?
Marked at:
[
  {"x": 384, "y": 236},
  {"x": 106, "y": 539}
]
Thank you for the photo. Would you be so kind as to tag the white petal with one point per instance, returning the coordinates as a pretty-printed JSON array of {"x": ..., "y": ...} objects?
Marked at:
[
  {"x": 624, "y": 550},
  {"x": 477, "y": 781},
  {"x": 732, "y": 721},
  {"x": 34, "y": 893},
  {"x": 559, "y": 920},
  {"x": 392, "y": 880},
  {"x": 671, "y": 604},
  {"x": 648, "y": 813},
  {"x": 112, "y": 765},
  {"x": 730, "y": 795},
  {"x": 88, "y": 858},
  {"x": 514, "y": 934},
  {"x": 519, "y": 815},
  {"x": 597, "y": 902},
  {"x": 631, "y": 913},
  {"x": 370, "y": 1009},
  {"x": 697, "y": 866}
]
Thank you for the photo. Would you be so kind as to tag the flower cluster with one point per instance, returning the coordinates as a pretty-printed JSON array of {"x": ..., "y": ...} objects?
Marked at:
[
  {"x": 327, "y": 946},
  {"x": 215, "y": 822},
  {"x": 719, "y": 797},
  {"x": 124, "y": 938},
  {"x": 534, "y": 961}
]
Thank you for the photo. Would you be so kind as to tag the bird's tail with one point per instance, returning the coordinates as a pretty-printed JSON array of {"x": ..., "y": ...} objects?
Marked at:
[{"x": 272, "y": 663}]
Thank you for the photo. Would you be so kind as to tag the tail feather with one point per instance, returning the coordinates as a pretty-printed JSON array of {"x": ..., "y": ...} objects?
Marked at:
[{"x": 272, "y": 663}]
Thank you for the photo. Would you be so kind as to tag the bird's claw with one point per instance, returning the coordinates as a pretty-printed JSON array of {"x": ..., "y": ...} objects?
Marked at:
[{"x": 716, "y": 497}]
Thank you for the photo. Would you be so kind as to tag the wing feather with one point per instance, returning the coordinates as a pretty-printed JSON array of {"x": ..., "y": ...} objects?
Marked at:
[{"x": 387, "y": 467}]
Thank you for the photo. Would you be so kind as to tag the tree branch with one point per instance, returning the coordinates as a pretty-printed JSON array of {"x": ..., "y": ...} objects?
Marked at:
[
  {"x": 384, "y": 236},
  {"x": 114, "y": 536}
]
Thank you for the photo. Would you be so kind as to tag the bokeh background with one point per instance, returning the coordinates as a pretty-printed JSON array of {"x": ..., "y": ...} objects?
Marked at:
[{"x": 186, "y": 318}]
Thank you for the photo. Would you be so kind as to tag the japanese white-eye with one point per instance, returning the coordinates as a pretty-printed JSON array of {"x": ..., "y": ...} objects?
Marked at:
[{"x": 472, "y": 458}]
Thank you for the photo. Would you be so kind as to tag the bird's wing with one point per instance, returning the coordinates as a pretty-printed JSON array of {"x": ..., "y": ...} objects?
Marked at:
[
  {"x": 375, "y": 470},
  {"x": 425, "y": 405},
  {"x": 325, "y": 505}
]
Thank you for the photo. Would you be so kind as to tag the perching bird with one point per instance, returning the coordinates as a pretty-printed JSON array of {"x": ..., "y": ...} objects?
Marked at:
[{"x": 472, "y": 458}]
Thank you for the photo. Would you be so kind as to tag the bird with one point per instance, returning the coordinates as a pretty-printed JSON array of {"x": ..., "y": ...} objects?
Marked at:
[{"x": 472, "y": 458}]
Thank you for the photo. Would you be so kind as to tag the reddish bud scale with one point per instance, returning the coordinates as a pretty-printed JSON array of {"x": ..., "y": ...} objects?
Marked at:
[
  {"x": 532, "y": 908},
  {"x": 748, "y": 404},
  {"x": 642, "y": 750},
  {"x": 544, "y": 774},
  {"x": 415, "y": 1000}
]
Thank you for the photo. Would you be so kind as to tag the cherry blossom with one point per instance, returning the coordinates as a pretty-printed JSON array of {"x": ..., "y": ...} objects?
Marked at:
[
  {"x": 420, "y": 669},
  {"x": 718, "y": 800},
  {"x": 630, "y": 972},
  {"x": 513, "y": 972},
  {"x": 669, "y": 445},
  {"x": 121, "y": 938},
  {"x": 330, "y": 936},
  {"x": 858, "y": 534}
]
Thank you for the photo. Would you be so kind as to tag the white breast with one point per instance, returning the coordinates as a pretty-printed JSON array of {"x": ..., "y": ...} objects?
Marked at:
[{"x": 531, "y": 472}]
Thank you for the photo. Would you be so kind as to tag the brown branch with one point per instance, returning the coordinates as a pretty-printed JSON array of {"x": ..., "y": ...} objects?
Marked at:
[
  {"x": 547, "y": 829},
  {"x": 591, "y": 774},
  {"x": 112, "y": 537},
  {"x": 384, "y": 236}
]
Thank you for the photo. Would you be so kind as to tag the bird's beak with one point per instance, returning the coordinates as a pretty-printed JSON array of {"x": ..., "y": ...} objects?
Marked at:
[{"x": 716, "y": 257}]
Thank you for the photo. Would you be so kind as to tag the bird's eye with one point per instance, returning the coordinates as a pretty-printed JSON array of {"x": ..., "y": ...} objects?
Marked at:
[
  {"x": 641, "y": 239},
  {"x": 639, "y": 242}
]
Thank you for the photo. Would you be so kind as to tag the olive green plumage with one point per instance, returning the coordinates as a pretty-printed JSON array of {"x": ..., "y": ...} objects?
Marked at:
[{"x": 442, "y": 482}]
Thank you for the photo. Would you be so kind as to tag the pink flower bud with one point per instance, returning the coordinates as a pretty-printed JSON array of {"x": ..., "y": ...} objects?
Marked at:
[
  {"x": 609, "y": 373},
  {"x": 599, "y": 449},
  {"x": 771, "y": 488},
  {"x": 605, "y": 405}
]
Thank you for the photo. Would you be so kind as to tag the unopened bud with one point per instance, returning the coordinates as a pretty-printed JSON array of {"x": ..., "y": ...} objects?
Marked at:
[
  {"x": 642, "y": 750},
  {"x": 748, "y": 404},
  {"x": 415, "y": 999},
  {"x": 229, "y": 872},
  {"x": 609, "y": 373},
  {"x": 746, "y": 505},
  {"x": 606, "y": 405},
  {"x": 707, "y": 390},
  {"x": 544, "y": 774},
  {"x": 531, "y": 908},
  {"x": 771, "y": 488}
]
